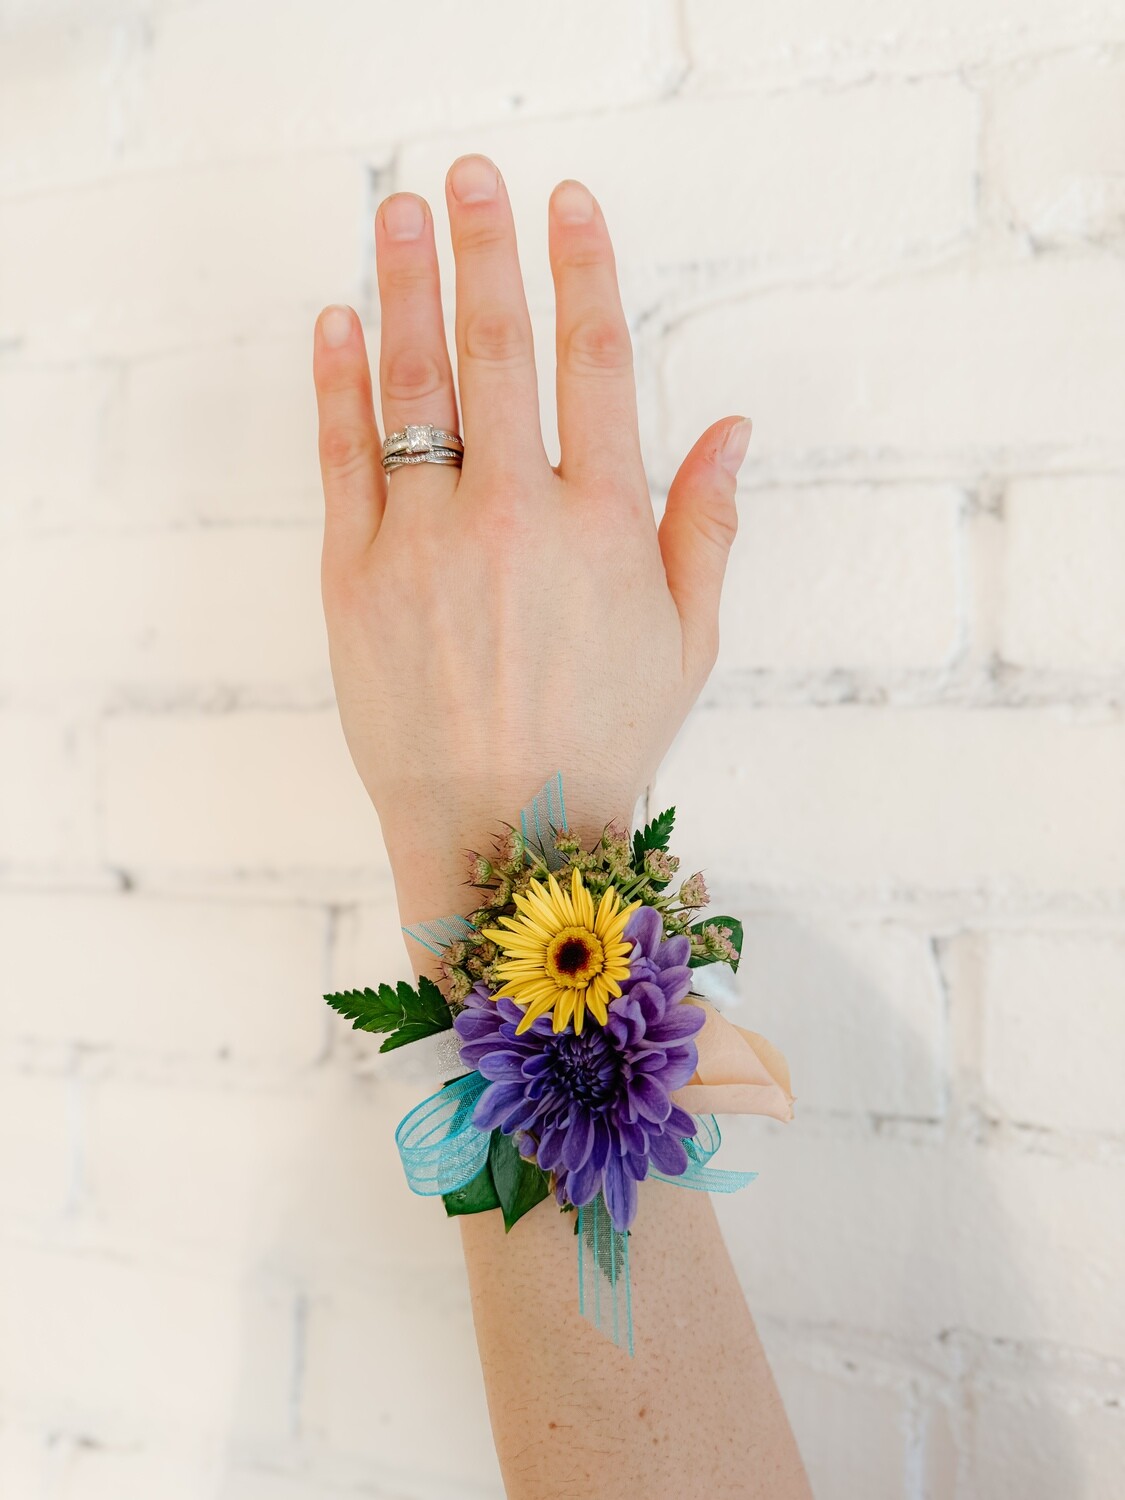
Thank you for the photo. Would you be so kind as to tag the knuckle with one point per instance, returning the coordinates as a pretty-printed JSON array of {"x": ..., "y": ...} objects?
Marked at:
[
  {"x": 410, "y": 374},
  {"x": 344, "y": 450},
  {"x": 719, "y": 525},
  {"x": 600, "y": 343},
  {"x": 496, "y": 335},
  {"x": 484, "y": 235}
]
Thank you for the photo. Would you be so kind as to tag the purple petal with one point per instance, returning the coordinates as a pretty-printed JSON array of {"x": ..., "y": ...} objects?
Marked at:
[
  {"x": 668, "y": 1155},
  {"x": 549, "y": 1154},
  {"x": 495, "y": 1104},
  {"x": 679, "y": 1067},
  {"x": 599, "y": 1154},
  {"x": 674, "y": 952},
  {"x": 677, "y": 1023},
  {"x": 651, "y": 1100},
  {"x": 579, "y": 1142},
  {"x": 631, "y": 1137},
  {"x": 620, "y": 1194},
  {"x": 472, "y": 1025},
  {"x": 646, "y": 928},
  {"x": 680, "y": 1124},
  {"x": 675, "y": 982},
  {"x": 582, "y": 1186},
  {"x": 501, "y": 1067},
  {"x": 636, "y": 1165}
]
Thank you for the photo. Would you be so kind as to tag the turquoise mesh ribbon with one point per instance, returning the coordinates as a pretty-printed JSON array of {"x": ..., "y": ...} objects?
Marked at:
[
  {"x": 442, "y": 1150},
  {"x": 605, "y": 1291}
]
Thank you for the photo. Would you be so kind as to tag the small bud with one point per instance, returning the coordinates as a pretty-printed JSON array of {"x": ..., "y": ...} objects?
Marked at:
[
  {"x": 660, "y": 865},
  {"x": 693, "y": 892},
  {"x": 480, "y": 869}
]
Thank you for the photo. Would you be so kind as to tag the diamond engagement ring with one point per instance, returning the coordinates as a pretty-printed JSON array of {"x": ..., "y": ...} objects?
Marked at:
[{"x": 422, "y": 444}]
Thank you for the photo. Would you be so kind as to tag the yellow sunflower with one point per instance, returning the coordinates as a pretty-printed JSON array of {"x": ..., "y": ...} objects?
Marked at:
[{"x": 561, "y": 955}]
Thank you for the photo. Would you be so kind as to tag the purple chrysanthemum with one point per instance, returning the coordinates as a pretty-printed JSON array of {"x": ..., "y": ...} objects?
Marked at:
[{"x": 595, "y": 1109}]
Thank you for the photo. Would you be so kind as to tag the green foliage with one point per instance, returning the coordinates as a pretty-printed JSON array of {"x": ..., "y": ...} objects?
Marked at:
[
  {"x": 405, "y": 1013},
  {"x": 735, "y": 930},
  {"x": 655, "y": 836},
  {"x": 476, "y": 1197},
  {"x": 505, "y": 1181},
  {"x": 519, "y": 1184}
]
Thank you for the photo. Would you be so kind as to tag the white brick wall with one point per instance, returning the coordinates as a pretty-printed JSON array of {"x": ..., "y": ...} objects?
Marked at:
[{"x": 892, "y": 234}]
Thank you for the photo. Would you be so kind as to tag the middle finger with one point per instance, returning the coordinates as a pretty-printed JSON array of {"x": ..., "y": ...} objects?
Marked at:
[{"x": 495, "y": 355}]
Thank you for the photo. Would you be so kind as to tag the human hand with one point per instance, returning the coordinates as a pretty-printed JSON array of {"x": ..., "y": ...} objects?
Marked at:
[{"x": 490, "y": 625}]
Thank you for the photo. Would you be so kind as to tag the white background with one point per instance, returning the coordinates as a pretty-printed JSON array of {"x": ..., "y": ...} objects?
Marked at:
[{"x": 892, "y": 233}]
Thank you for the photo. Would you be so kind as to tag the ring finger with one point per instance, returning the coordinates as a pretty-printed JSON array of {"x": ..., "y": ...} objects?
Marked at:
[{"x": 415, "y": 376}]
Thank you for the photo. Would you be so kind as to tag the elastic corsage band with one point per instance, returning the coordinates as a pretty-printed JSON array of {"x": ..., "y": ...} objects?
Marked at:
[{"x": 587, "y": 1065}]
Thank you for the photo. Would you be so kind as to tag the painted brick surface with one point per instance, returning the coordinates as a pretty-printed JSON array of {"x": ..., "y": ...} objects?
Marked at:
[{"x": 891, "y": 234}]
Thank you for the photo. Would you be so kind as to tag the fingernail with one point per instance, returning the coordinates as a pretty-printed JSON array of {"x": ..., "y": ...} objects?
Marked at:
[
  {"x": 573, "y": 203},
  {"x": 474, "y": 179},
  {"x": 336, "y": 326},
  {"x": 403, "y": 216},
  {"x": 735, "y": 446}
]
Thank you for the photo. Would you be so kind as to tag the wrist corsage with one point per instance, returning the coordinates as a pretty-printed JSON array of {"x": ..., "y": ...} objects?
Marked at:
[{"x": 579, "y": 1062}]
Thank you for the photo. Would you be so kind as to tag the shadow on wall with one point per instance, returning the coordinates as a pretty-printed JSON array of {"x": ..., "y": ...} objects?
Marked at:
[{"x": 876, "y": 1247}]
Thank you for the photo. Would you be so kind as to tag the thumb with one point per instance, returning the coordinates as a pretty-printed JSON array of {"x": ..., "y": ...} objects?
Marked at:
[{"x": 696, "y": 531}]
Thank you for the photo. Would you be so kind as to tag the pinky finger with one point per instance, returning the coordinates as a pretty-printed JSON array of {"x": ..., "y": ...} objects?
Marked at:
[{"x": 350, "y": 448}]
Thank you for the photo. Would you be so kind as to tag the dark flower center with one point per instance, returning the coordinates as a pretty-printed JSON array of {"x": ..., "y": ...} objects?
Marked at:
[
  {"x": 586, "y": 1068},
  {"x": 572, "y": 955}
]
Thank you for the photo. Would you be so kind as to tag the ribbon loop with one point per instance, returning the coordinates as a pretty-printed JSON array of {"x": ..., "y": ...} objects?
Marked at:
[{"x": 441, "y": 1148}]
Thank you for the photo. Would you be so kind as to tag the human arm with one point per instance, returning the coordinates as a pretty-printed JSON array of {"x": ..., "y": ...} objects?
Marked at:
[{"x": 486, "y": 627}]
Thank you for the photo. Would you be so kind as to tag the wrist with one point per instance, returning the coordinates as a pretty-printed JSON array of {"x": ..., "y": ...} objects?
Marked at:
[{"x": 430, "y": 853}]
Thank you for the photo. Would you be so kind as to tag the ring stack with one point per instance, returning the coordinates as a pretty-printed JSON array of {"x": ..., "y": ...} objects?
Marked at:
[{"x": 422, "y": 444}]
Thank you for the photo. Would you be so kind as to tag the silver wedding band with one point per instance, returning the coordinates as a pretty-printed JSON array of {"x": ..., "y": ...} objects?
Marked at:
[{"x": 422, "y": 443}]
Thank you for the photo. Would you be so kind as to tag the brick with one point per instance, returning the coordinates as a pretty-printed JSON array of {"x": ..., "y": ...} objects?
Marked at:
[
  {"x": 1056, "y": 147},
  {"x": 938, "y": 798},
  {"x": 855, "y": 1007},
  {"x": 1041, "y": 1439},
  {"x": 890, "y": 1237},
  {"x": 1054, "y": 1030},
  {"x": 1063, "y": 584},
  {"x": 303, "y": 1176},
  {"x": 218, "y": 435},
  {"x": 809, "y": 40},
  {"x": 39, "y": 1134},
  {"x": 135, "y": 1352},
  {"x": 360, "y": 1405},
  {"x": 851, "y": 1432},
  {"x": 866, "y": 579},
  {"x": 313, "y": 76},
  {"x": 92, "y": 1471},
  {"x": 48, "y": 483},
  {"x": 46, "y": 791},
  {"x": 198, "y": 257},
  {"x": 164, "y": 613},
  {"x": 238, "y": 982},
  {"x": 41, "y": 144},
  {"x": 929, "y": 374},
  {"x": 845, "y": 215},
  {"x": 264, "y": 792}
]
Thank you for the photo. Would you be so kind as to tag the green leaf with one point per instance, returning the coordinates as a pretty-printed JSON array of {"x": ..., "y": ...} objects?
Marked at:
[
  {"x": 655, "y": 836},
  {"x": 519, "y": 1184},
  {"x": 407, "y": 1013},
  {"x": 735, "y": 929},
  {"x": 476, "y": 1197}
]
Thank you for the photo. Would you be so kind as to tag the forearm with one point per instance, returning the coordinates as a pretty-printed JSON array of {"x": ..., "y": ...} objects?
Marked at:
[{"x": 695, "y": 1413}]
